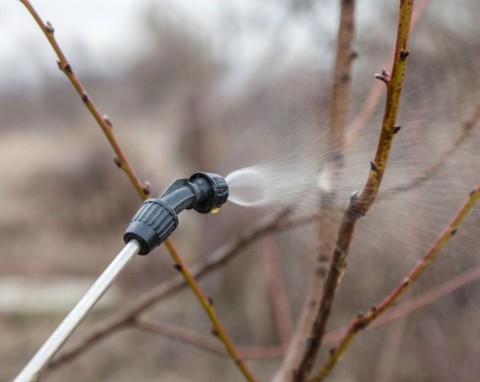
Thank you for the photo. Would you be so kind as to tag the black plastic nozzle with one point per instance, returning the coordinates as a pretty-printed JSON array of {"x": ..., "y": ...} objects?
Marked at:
[{"x": 157, "y": 218}]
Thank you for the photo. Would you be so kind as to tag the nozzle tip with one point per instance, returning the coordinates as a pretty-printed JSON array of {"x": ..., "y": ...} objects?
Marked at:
[{"x": 217, "y": 193}]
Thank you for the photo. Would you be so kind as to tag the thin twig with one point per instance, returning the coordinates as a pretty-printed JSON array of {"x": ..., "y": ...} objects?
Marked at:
[
  {"x": 428, "y": 297},
  {"x": 411, "y": 305},
  {"x": 207, "y": 304},
  {"x": 278, "y": 293},
  {"x": 332, "y": 337},
  {"x": 181, "y": 334},
  {"x": 213, "y": 261},
  {"x": 142, "y": 189},
  {"x": 103, "y": 121},
  {"x": 342, "y": 78},
  {"x": 377, "y": 90},
  {"x": 220, "y": 257},
  {"x": 359, "y": 205},
  {"x": 362, "y": 321},
  {"x": 193, "y": 338},
  {"x": 398, "y": 311}
]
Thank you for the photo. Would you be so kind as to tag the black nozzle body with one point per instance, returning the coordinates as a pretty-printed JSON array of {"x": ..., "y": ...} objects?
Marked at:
[{"x": 157, "y": 218}]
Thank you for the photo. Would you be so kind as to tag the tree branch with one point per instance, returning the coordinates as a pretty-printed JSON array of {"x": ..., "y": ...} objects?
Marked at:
[
  {"x": 207, "y": 305},
  {"x": 103, "y": 121},
  {"x": 278, "y": 293},
  {"x": 377, "y": 89},
  {"x": 359, "y": 205},
  {"x": 398, "y": 311},
  {"x": 193, "y": 338},
  {"x": 330, "y": 214},
  {"x": 142, "y": 189},
  {"x": 342, "y": 78},
  {"x": 180, "y": 334},
  {"x": 363, "y": 321},
  {"x": 215, "y": 260}
]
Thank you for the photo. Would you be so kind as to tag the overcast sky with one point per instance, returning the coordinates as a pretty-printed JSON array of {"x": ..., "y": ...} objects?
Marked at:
[
  {"x": 97, "y": 33},
  {"x": 86, "y": 30}
]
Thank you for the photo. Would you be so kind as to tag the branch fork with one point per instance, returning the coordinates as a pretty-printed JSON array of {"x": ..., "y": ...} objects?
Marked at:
[{"x": 360, "y": 205}]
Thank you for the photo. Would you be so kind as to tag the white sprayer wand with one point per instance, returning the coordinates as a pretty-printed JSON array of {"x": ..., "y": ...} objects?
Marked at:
[{"x": 151, "y": 225}]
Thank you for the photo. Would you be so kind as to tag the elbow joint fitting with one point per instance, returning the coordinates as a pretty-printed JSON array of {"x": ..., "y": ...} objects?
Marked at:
[{"x": 157, "y": 217}]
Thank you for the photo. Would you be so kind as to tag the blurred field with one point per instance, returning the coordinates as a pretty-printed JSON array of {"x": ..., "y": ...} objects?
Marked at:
[{"x": 182, "y": 107}]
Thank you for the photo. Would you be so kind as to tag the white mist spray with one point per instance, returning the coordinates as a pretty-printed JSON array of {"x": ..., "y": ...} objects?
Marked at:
[{"x": 275, "y": 185}]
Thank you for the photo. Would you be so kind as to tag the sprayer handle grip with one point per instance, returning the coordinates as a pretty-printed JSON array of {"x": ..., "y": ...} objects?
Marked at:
[{"x": 151, "y": 225}]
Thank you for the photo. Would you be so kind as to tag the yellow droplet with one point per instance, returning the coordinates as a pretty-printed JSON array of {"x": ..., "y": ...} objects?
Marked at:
[{"x": 215, "y": 210}]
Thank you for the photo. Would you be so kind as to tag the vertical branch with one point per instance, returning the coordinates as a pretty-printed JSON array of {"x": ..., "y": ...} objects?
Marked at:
[
  {"x": 360, "y": 204},
  {"x": 329, "y": 215},
  {"x": 281, "y": 307},
  {"x": 342, "y": 78},
  {"x": 376, "y": 92}
]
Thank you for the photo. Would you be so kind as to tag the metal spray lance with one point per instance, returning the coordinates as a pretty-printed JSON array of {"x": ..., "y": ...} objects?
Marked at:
[{"x": 152, "y": 224}]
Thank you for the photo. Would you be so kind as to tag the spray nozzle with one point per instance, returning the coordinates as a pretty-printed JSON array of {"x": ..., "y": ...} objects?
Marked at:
[{"x": 157, "y": 218}]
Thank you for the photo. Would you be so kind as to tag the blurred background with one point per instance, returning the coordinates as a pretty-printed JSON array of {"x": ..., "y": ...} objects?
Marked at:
[{"x": 216, "y": 86}]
